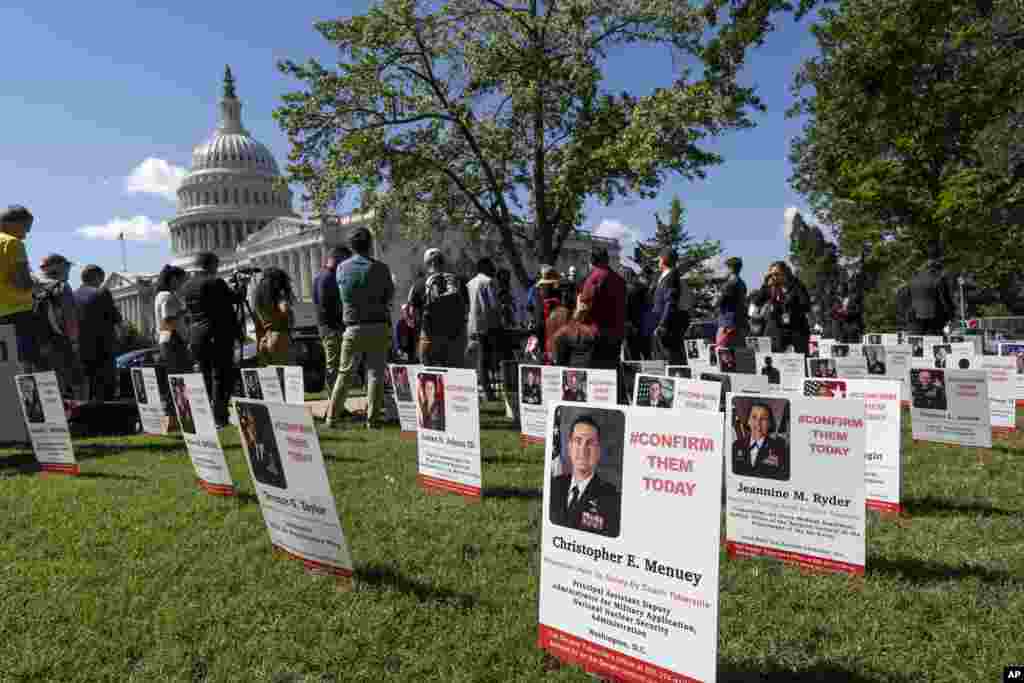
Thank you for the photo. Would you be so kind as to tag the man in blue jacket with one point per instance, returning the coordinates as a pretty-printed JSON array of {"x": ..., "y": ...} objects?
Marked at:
[
  {"x": 669, "y": 311},
  {"x": 366, "y": 291}
]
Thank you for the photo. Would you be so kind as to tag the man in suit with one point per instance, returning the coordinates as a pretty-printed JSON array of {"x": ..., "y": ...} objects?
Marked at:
[
  {"x": 671, "y": 310},
  {"x": 930, "y": 392},
  {"x": 531, "y": 387},
  {"x": 183, "y": 406},
  {"x": 97, "y": 337},
  {"x": 581, "y": 499},
  {"x": 771, "y": 372},
  {"x": 758, "y": 454},
  {"x": 30, "y": 399},
  {"x": 656, "y": 396},
  {"x": 213, "y": 331},
  {"x": 258, "y": 434},
  {"x": 876, "y": 366},
  {"x": 941, "y": 353},
  {"x": 572, "y": 390}
]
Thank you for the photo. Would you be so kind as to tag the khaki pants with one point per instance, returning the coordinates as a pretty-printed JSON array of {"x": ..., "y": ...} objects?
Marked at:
[
  {"x": 358, "y": 341},
  {"x": 332, "y": 358}
]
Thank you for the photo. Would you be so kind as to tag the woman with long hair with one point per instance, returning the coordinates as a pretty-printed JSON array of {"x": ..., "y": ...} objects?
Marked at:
[
  {"x": 786, "y": 306},
  {"x": 170, "y": 310},
  {"x": 272, "y": 306},
  {"x": 575, "y": 343}
]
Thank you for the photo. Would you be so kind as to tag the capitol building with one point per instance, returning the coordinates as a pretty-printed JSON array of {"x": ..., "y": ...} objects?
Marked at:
[{"x": 233, "y": 202}]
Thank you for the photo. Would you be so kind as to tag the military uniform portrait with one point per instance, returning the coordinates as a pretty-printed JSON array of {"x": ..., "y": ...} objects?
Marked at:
[
  {"x": 770, "y": 371},
  {"x": 760, "y": 446},
  {"x": 531, "y": 392},
  {"x": 400, "y": 378},
  {"x": 430, "y": 396},
  {"x": 586, "y": 493},
  {"x": 940, "y": 353},
  {"x": 928, "y": 389},
  {"x": 822, "y": 367},
  {"x": 875, "y": 356},
  {"x": 252, "y": 385},
  {"x": 257, "y": 434},
  {"x": 652, "y": 392},
  {"x": 574, "y": 386},
  {"x": 182, "y": 405},
  {"x": 30, "y": 401},
  {"x": 693, "y": 349},
  {"x": 916, "y": 346},
  {"x": 726, "y": 360},
  {"x": 139, "y": 384}
]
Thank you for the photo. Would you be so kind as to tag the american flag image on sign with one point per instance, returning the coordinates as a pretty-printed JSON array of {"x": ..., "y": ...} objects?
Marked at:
[{"x": 828, "y": 388}]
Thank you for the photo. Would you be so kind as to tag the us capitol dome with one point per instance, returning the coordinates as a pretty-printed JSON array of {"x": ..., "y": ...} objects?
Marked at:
[{"x": 230, "y": 192}]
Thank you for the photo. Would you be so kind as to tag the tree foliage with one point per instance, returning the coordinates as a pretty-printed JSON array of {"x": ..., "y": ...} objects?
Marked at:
[
  {"x": 815, "y": 261},
  {"x": 693, "y": 257},
  {"x": 492, "y": 115},
  {"x": 914, "y": 131}
]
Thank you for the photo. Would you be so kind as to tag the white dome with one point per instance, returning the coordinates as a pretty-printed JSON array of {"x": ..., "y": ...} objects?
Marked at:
[{"x": 234, "y": 151}]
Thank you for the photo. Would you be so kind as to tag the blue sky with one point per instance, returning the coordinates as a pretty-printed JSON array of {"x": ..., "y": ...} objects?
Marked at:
[{"x": 91, "y": 95}]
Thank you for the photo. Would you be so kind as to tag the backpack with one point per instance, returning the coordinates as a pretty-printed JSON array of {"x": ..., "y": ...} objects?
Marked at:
[
  {"x": 444, "y": 306},
  {"x": 48, "y": 309}
]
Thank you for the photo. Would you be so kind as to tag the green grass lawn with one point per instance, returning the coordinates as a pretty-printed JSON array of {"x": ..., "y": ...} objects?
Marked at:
[{"x": 131, "y": 573}]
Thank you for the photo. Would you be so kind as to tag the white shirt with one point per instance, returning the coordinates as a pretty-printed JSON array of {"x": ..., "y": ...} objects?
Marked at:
[
  {"x": 755, "y": 448},
  {"x": 581, "y": 486},
  {"x": 167, "y": 306}
]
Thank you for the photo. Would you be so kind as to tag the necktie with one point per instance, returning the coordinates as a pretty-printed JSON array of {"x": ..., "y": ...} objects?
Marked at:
[
  {"x": 753, "y": 453},
  {"x": 574, "y": 498}
]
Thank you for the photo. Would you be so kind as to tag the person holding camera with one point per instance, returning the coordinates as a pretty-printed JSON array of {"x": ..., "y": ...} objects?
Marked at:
[
  {"x": 273, "y": 316},
  {"x": 786, "y": 305},
  {"x": 213, "y": 331}
]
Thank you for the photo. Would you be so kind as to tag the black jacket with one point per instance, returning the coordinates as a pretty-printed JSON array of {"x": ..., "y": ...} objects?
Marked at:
[
  {"x": 598, "y": 509},
  {"x": 210, "y": 305},
  {"x": 772, "y": 460}
]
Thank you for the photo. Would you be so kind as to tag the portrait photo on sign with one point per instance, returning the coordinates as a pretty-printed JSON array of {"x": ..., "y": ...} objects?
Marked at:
[
  {"x": 182, "y": 405},
  {"x": 840, "y": 350},
  {"x": 940, "y": 353},
  {"x": 680, "y": 371},
  {"x": 769, "y": 370},
  {"x": 829, "y": 388},
  {"x": 928, "y": 389},
  {"x": 400, "y": 378},
  {"x": 760, "y": 438},
  {"x": 140, "y": 386},
  {"x": 257, "y": 434},
  {"x": 574, "y": 386},
  {"x": 822, "y": 367},
  {"x": 653, "y": 392},
  {"x": 726, "y": 360},
  {"x": 586, "y": 490},
  {"x": 724, "y": 380},
  {"x": 874, "y": 339},
  {"x": 530, "y": 380},
  {"x": 812, "y": 349},
  {"x": 252, "y": 385},
  {"x": 30, "y": 400},
  {"x": 1017, "y": 351},
  {"x": 916, "y": 344},
  {"x": 875, "y": 356},
  {"x": 430, "y": 396},
  {"x": 693, "y": 349}
]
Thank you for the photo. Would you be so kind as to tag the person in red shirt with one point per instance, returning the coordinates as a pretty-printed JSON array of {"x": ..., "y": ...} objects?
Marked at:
[{"x": 604, "y": 293}]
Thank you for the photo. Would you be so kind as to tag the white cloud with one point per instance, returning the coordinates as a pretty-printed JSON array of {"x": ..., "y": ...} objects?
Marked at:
[
  {"x": 788, "y": 217},
  {"x": 614, "y": 229},
  {"x": 136, "y": 229},
  {"x": 155, "y": 176}
]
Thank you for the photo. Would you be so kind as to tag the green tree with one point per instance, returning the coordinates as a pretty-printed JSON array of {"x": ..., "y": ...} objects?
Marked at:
[
  {"x": 913, "y": 131},
  {"x": 693, "y": 257},
  {"x": 492, "y": 114},
  {"x": 815, "y": 261}
]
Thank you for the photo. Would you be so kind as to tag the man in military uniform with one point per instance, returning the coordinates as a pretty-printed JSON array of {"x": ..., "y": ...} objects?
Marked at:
[
  {"x": 930, "y": 390},
  {"x": 574, "y": 390},
  {"x": 582, "y": 499},
  {"x": 757, "y": 453}
]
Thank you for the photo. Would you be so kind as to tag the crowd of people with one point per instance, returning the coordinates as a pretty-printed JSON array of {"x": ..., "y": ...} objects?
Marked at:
[{"x": 445, "y": 321}]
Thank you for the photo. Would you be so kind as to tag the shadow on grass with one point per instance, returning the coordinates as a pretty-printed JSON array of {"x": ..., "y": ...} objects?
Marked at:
[
  {"x": 342, "y": 458},
  {"x": 511, "y": 458},
  {"x": 505, "y": 426},
  {"x": 932, "y": 506},
  {"x": 922, "y": 572},
  {"x": 86, "y": 451},
  {"x": 740, "y": 673},
  {"x": 110, "y": 475},
  {"x": 1005, "y": 448},
  {"x": 505, "y": 492},
  {"x": 388, "y": 577},
  {"x": 245, "y": 498}
]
